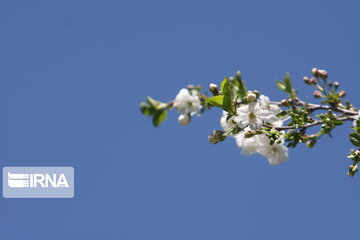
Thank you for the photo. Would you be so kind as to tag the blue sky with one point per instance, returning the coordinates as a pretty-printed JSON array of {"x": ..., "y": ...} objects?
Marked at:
[{"x": 72, "y": 74}]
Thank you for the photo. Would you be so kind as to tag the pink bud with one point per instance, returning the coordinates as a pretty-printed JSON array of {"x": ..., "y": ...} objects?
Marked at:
[{"x": 317, "y": 94}]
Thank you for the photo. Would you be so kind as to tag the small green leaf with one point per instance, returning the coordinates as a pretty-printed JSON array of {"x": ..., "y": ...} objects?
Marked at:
[
  {"x": 159, "y": 117},
  {"x": 224, "y": 85},
  {"x": 145, "y": 109},
  {"x": 240, "y": 84},
  {"x": 286, "y": 86},
  {"x": 227, "y": 103},
  {"x": 216, "y": 100},
  {"x": 282, "y": 114},
  {"x": 338, "y": 122},
  {"x": 355, "y": 139},
  {"x": 357, "y": 126},
  {"x": 227, "y": 100},
  {"x": 280, "y": 85},
  {"x": 287, "y": 82},
  {"x": 152, "y": 102}
]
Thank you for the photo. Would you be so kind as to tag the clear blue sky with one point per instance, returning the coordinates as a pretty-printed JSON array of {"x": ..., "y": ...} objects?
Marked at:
[{"x": 72, "y": 74}]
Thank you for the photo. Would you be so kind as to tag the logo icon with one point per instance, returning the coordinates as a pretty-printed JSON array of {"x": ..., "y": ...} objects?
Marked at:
[
  {"x": 38, "y": 182},
  {"x": 18, "y": 180}
]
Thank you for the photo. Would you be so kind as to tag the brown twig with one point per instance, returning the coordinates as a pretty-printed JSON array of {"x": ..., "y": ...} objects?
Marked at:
[
  {"x": 312, "y": 106},
  {"x": 316, "y": 122}
]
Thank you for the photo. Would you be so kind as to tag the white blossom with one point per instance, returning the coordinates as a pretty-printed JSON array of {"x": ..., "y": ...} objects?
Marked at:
[
  {"x": 250, "y": 145},
  {"x": 265, "y": 103},
  {"x": 273, "y": 109},
  {"x": 251, "y": 115},
  {"x": 187, "y": 102},
  {"x": 276, "y": 153},
  {"x": 226, "y": 123}
]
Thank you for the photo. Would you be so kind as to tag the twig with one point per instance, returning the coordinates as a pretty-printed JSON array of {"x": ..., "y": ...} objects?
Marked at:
[
  {"x": 313, "y": 106},
  {"x": 316, "y": 122}
]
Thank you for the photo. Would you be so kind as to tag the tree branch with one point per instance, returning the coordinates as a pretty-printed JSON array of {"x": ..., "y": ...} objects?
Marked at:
[
  {"x": 316, "y": 122},
  {"x": 313, "y": 106}
]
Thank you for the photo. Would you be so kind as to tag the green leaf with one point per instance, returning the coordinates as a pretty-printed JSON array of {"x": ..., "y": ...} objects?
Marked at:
[
  {"x": 159, "y": 117},
  {"x": 287, "y": 82},
  {"x": 216, "y": 100},
  {"x": 338, "y": 122},
  {"x": 282, "y": 114},
  {"x": 355, "y": 139},
  {"x": 226, "y": 90},
  {"x": 286, "y": 86},
  {"x": 280, "y": 85},
  {"x": 240, "y": 84},
  {"x": 145, "y": 109},
  {"x": 357, "y": 126},
  {"x": 152, "y": 102},
  {"x": 224, "y": 85}
]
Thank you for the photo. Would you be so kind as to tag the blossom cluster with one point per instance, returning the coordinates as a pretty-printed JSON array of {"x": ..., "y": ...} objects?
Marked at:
[
  {"x": 187, "y": 103},
  {"x": 264, "y": 127},
  {"x": 250, "y": 117}
]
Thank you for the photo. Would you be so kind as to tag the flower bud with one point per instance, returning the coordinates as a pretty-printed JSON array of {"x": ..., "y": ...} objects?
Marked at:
[
  {"x": 313, "y": 80},
  {"x": 336, "y": 84},
  {"x": 311, "y": 143},
  {"x": 249, "y": 134},
  {"x": 290, "y": 101},
  {"x": 317, "y": 94},
  {"x": 214, "y": 89},
  {"x": 256, "y": 92},
  {"x": 330, "y": 83},
  {"x": 307, "y": 80},
  {"x": 323, "y": 74},
  {"x": 216, "y": 136},
  {"x": 342, "y": 94},
  {"x": 251, "y": 96},
  {"x": 352, "y": 170},
  {"x": 284, "y": 102},
  {"x": 315, "y": 72},
  {"x": 184, "y": 119}
]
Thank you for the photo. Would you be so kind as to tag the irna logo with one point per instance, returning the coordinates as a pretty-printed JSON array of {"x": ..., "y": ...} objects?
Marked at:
[
  {"x": 38, "y": 182},
  {"x": 19, "y": 180}
]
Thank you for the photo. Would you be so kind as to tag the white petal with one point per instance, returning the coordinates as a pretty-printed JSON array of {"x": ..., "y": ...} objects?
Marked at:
[
  {"x": 255, "y": 124},
  {"x": 264, "y": 101},
  {"x": 244, "y": 109},
  {"x": 269, "y": 118},
  {"x": 243, "y": 124},
  {"x": 276, "y": 153},
  {"x": 249, "y": 149},
  {"x": 252, "y": 106},
  {"x": 185, "y": 103},
  {"x": 248, "y": 145},
  {"x": 277, "y": 123},
  {"x": 274, "y": 109},
  {"x": 262, "y": 112},
  {"x": 226, "y": 124}
]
